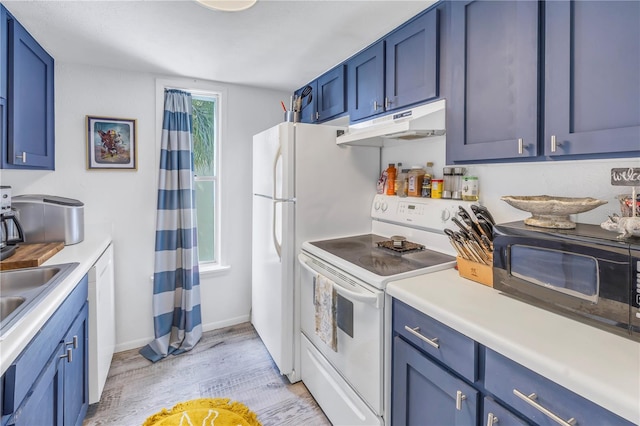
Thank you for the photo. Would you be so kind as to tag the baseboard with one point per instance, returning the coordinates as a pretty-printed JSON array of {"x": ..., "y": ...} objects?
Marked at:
[{"x": 139, "y": 343}]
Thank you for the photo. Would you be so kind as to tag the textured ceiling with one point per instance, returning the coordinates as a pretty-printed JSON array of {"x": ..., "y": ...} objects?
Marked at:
[{"x": 275, "y": 44}]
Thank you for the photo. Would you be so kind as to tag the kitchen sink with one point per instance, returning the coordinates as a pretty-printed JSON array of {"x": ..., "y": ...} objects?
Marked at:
[
  {"x": 21, "y": 290},
  {"x": 8, "y": 304}
]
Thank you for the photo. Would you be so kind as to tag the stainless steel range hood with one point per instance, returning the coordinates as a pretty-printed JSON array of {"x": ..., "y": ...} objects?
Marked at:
[{"x": 416, "y": 123}]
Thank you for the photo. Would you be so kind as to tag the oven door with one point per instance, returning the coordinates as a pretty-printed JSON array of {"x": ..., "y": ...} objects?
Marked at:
[{"x": 360, "y": 311}]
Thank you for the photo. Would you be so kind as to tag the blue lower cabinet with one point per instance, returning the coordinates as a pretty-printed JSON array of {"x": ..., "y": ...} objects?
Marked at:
[
  {"x": 538, "y": 399},
  {"x": 425, "y": 394},
  {"x": 48, "y": 384},
  {"x": 430, "y": 387},
  {"x": 497, "y": 415},
  {"x": 43, "y": 405},
  {"x": 76, "y": 370}
]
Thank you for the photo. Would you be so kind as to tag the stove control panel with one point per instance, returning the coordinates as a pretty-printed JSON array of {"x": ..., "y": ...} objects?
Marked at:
[{"x": 428, "y": 213}]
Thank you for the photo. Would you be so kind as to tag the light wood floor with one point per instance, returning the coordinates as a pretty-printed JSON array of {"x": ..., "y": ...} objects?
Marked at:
[{"x": 227, "y": 363}]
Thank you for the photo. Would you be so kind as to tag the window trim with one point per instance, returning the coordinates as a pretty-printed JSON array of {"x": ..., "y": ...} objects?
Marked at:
[{"x": 207, "y": 89}]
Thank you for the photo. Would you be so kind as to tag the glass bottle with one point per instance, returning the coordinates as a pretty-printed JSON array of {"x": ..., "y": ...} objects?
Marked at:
[
  {"x": 391, "y": 178},
  {"x": 426, "y": 181}
]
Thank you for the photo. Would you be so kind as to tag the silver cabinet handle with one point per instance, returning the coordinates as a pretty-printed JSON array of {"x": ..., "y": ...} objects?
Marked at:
[
  {"x": 375, "y": 105},
  {"x": 22, "y": 157},
  {"x": 415, "y": 331},
  {"x": 387, "y": 103},
  {"x": 520, "y": 145},
  {"x": 68, "y": 355},
  {"x": 532, "y": 400},
  {"x": 459, "y": 398},
  {"x": 317, "y": 115},
  {"x": 554, "y": 145},
  {"x": 73, "y": 342},
  {"x": 491, "y": 419}
]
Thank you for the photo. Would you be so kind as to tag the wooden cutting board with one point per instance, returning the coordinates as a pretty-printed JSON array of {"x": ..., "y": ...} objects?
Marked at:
[{"x": 31, "y": 255}]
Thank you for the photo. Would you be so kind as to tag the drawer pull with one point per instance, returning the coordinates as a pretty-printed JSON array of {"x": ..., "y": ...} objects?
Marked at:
[
  {"x": 492, "y": 419},
  {"x": 531, "y": 400},
  {"x": 68, "y": 355},
  {"x": 415, "y": 331},
  {"x": 459, "y": 398},
  {"x": 74, "y": 342}
]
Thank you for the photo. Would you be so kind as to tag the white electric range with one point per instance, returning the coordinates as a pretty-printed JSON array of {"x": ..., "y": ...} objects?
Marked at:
[{"x": 349, "y": 381}]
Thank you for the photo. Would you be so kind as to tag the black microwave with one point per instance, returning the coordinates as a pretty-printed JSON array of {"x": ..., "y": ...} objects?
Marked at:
[{"x": 585, "y": 273}]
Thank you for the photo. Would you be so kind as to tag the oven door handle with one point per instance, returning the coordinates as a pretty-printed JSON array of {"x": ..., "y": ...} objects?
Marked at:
[{"x": 370, "y": 299}]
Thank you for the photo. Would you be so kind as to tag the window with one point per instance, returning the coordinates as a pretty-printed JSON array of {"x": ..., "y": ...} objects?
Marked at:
[
  {"x": 205, "y": 156},
  {"x": 208, "y": 112}
]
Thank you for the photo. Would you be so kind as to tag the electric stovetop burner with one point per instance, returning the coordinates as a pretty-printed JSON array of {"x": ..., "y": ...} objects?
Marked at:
[
  {"x": 405, "y": 246},
  {"x": 378, "y": 255}
]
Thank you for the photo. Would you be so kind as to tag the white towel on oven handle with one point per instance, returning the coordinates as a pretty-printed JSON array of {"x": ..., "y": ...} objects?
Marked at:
[{"x": 325, "y": 299}]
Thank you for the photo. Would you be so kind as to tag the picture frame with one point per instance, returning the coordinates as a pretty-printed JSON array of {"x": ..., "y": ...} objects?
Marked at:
[{"x": 112, "y": 143}]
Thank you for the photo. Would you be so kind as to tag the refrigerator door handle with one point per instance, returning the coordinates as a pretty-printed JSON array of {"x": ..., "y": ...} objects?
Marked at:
[
  {"x": 276, "y": 243},
  {"x": 275, "y": 173}
]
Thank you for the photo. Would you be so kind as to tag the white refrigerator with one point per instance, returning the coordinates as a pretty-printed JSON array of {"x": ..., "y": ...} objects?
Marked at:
[{"x": 305, "y": 188}]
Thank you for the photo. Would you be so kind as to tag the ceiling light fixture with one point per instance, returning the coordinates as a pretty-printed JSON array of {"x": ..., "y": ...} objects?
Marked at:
[{"x": 227, "y": 5}]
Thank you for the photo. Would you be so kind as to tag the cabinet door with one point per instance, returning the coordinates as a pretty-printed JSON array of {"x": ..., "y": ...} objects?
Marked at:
[
  {"x": 592, "y": 88},
  {"x": 492, "y": 110},
  {"x": 412, "y": 62},
  {"x": 365, "y": 87},
  {"x": 76, "y": 370},
  {"x": 30, "y": 101},
  {"x": 425, "y": 394},
  {"x": 43, "y": 404},
  {"x": 331, "y": 94},
  {"x": 309, "y": 110}
]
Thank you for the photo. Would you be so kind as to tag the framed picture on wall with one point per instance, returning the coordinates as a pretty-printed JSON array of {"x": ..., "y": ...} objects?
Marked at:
[{"x": 111, "y": 143}]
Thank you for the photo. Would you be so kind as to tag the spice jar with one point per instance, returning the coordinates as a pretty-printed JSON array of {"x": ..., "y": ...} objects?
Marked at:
[
  {"x": 436, "y": 188},
  {"x": 470, "y": 188},
  {"x": 456, "y": 188},
  {"x": 426, "y": 181},
  {"x": 414, "y": 178},
  {"x": 447, "y": 190},
  {"x": 403, "y": 183}
]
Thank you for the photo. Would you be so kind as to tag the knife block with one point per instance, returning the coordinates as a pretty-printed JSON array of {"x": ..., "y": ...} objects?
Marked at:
[{"x": 474, "y": 271}]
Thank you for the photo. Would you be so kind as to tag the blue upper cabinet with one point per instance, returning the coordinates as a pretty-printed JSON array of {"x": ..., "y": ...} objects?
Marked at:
[
  {"x": 401, "y": 70},
  {"x": 29, "y": 142},
  {"x": 412, "y": 62},
  {"x": 325, "y": 97},
  {"x": 365, "y": 82},
  {"x": 492, "y": 105},
  {"x": 331, "y": 94},
  {"x": 592, "y": 83}
]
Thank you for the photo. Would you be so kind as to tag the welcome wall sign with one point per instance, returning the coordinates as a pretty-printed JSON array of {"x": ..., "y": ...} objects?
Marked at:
[{"x": 625, "y": 177}]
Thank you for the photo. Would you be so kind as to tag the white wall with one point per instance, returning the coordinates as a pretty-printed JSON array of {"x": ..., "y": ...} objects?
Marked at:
[
  {"x": 584, "y": 178},
  {"x": 127, "y": 199}
]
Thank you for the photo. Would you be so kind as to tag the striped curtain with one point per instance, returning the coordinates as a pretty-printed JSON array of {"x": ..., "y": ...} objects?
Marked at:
[{"x": 176, "y": 280}]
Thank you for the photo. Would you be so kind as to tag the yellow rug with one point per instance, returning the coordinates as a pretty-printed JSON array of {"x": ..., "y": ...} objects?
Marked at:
[{"x": 205, "y": 412}]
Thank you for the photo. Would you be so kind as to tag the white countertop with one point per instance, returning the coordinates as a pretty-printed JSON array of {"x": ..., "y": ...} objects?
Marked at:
[
  {"x": 593, "y": 363},
  {"x": 85, "y": 253}
]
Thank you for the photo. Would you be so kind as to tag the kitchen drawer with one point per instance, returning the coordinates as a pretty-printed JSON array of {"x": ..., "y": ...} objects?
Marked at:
[
  {"x": 497, "y": 415},
  {"x": 506, "y": 380},
  {"x": 451, "y": 348},
  {"x": 24, "y": 371}
]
